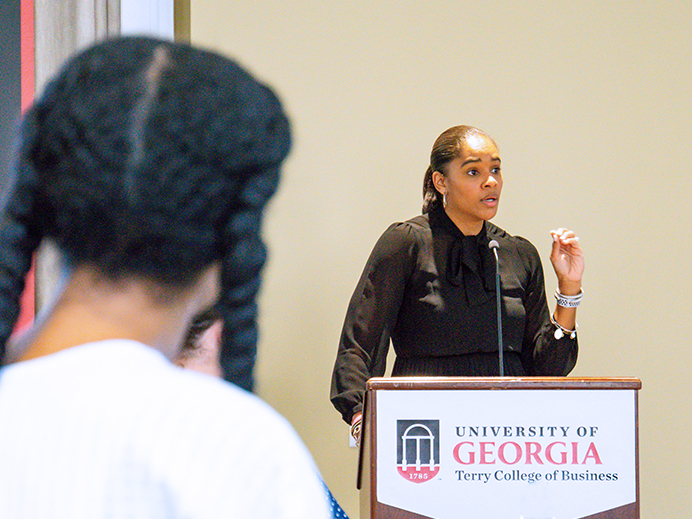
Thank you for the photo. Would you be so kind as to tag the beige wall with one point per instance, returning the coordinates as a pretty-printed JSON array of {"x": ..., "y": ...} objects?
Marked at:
[{"x": 591, "y": 105}]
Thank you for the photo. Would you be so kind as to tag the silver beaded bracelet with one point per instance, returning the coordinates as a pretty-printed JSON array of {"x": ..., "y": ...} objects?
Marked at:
[{"x": 569, "y": 301}]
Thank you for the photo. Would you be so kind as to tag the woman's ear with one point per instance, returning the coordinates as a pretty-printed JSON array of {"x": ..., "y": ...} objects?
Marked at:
[{"x": 439, "y": 181}]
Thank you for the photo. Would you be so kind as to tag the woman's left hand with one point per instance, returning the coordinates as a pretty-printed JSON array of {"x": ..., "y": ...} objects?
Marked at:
[{"x": 568, "y": 260}]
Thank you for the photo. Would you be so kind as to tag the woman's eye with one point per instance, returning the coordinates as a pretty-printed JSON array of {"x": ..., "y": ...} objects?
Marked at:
[
  {"x": 496, "y": 171},
  {"x": 472, "y": 172}
]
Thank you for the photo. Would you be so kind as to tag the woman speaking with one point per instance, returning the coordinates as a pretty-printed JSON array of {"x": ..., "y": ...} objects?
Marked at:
[{"x": 429, "y": 286}]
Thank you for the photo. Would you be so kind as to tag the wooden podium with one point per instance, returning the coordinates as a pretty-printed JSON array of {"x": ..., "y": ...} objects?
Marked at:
[{"x": 500, "y": 448}]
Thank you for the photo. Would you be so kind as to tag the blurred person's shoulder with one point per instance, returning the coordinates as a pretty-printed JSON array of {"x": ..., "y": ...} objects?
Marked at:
[{"x": 215, "y": 446}]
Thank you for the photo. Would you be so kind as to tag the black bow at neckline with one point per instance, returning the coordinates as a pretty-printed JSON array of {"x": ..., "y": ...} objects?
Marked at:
[{"x": 470, "y": 262}]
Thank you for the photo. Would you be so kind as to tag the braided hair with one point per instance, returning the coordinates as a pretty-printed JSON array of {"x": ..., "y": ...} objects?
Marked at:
[{"x": 152, "y": 159}]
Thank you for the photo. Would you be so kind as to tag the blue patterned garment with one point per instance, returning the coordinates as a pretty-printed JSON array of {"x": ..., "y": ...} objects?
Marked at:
[{"x": 337, "y": 511}]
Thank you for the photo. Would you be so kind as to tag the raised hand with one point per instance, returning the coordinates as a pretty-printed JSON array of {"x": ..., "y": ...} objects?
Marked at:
[{"x": 568, "y": 260}]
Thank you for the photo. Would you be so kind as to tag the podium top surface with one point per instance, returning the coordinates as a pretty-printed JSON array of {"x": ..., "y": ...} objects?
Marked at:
[{"x": 500, "y": 383}]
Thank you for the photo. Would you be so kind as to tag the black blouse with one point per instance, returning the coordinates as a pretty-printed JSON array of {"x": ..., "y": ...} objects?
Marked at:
[{"x": 431, "y": 290}]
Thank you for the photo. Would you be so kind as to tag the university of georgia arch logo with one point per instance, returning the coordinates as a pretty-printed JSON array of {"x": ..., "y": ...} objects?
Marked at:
[{"x": 418, "y": 449}]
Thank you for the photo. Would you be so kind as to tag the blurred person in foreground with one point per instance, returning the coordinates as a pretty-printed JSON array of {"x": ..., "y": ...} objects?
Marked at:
[
  {"x": 148, "y": 164},
  {"x": 201, "y": 353}
]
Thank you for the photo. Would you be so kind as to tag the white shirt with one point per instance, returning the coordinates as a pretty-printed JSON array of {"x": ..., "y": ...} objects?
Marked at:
[{"x": 113, "y": 430}]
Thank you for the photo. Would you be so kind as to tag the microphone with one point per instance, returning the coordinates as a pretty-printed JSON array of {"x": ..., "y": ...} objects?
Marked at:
[{"x": 493, "y": 245}]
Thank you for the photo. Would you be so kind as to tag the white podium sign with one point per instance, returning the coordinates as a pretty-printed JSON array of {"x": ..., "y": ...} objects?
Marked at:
[{"x": 500, "y": 454}]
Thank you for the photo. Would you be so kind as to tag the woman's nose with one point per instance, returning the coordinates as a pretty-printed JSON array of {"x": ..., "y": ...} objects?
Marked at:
[{"x": 491, "y": 181}]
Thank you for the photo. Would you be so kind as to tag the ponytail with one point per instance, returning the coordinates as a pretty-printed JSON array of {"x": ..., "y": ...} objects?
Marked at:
[{"x": 431, "y": 196}]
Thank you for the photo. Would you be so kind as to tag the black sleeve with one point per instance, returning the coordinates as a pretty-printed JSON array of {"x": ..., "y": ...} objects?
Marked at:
[
  {"x": 371, "y": 315},
  {"x": 542, "y": 353}
]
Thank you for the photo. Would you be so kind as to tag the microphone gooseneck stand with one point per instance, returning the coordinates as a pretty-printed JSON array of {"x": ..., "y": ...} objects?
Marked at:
[{"x": 498, "y": 296}]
